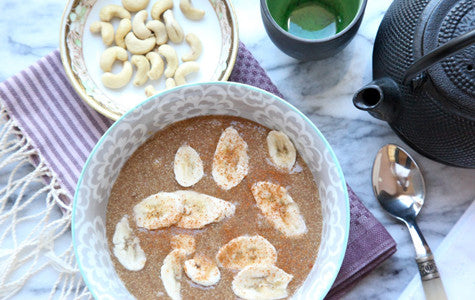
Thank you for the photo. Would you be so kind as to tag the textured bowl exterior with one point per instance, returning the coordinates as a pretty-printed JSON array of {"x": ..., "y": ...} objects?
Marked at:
[
  {"x": 306, "y": 49},
  {"x": 218, "y": 98}
]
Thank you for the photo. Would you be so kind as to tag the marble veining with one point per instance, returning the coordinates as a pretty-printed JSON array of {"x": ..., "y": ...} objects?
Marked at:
[{"x": 322, "y": 90}]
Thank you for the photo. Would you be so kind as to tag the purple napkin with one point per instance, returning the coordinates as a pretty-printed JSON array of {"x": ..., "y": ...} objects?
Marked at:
[{"x": 63, "y": 129}]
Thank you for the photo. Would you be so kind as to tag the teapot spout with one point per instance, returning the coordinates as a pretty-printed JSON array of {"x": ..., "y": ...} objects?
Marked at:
[{"x": 380, "y": 98}]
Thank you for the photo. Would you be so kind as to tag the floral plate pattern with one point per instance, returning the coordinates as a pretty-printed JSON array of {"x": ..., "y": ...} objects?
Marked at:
[
  {"x": 218, "y": 98},
  {"x": 74, "y": 30}
]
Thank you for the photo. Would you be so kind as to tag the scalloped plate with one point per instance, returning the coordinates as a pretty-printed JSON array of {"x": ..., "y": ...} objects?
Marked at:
[{"x": 81, "y": 50}]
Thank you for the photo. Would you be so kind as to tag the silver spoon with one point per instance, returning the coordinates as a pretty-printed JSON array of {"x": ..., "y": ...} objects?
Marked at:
[{"x": 399, "y": 187}]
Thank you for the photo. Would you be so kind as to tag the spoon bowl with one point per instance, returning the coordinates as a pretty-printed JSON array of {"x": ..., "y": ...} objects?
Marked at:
[{"x": 398, "y": 183}]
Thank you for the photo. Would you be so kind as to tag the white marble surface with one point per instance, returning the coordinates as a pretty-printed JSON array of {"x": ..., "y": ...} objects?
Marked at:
[{"x": 323, "y": 91}]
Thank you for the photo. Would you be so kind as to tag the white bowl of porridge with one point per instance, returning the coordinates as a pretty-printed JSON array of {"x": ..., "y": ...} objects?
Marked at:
[{"x": 211, "y": 191}]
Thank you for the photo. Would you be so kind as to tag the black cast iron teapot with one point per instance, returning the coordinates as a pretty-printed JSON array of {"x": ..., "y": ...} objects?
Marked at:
[{"x": 424, "y": 78}]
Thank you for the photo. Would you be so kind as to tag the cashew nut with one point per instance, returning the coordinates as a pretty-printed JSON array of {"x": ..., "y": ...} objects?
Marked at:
[
  {"x": 138, "y": 25},
  {"x": 116, "y": 81},
  {"x": 157, "y": 65},
  {"x": 124, "y": 27},
  {"x": 135, "y": 5},
  {"x": 113, "y": 11},
  {"x": 170, "y": 83},
  {"x": 138, "y": 46},
  {"x": 195, "y": 45},
  {"x": 106, "y": 29},
  {"x": 159, "y": 30},
  {"x": 110, "y": 55},
  {"x": 172, "y": 59},
  {"x": 185, "y": 69},
  {"x": 159, "y": 7},
  {"x": 150, "y": 90},
  {"x": 143, "y": 66},
  {"x": 190, "y": 12},
  {"x": 174, "y": 31}
]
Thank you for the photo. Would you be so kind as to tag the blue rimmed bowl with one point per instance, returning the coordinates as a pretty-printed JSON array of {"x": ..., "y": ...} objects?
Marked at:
[{"x": 214, "y": 98}]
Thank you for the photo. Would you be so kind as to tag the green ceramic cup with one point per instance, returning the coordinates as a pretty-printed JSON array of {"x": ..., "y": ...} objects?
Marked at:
[{"x": 312, "y": 29}]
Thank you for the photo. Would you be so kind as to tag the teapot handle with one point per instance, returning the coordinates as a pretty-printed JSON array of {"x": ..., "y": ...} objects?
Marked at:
[{"x": 439, "y": 53}]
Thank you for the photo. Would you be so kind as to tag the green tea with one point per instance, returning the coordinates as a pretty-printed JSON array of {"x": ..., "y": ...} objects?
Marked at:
[{"x": 312, "y": 20}]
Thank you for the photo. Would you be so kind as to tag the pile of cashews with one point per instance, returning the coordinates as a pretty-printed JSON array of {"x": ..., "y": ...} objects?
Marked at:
[{"x": 147, "y": 42}]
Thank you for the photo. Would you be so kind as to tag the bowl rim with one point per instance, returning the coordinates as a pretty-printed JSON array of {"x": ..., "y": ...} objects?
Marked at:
[
  {"x": 91, "y": 101},
  {"x": 172, "y": 90},
  {"x": 356, "y": 19}
]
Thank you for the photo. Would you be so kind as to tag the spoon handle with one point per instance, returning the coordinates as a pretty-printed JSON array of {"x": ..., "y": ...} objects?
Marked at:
[{"x": 431, "y": 282}]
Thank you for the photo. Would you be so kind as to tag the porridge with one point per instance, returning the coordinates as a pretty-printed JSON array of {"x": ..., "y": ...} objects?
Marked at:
[{"x": 214, "y": 207}]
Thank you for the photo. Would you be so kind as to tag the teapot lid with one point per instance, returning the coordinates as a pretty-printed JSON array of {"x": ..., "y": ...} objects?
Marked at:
[{"x": 454, "y": 76}]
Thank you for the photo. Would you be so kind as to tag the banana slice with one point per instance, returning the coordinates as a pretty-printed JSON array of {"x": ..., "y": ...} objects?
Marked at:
[
  {"x": 230, "y": 161},
  {"x": 281, "y": 150},
  {"x": 202, "y": 270},
  {"x": 171, "y": 273},
  {"x": 200, "y": 209},
  {"x": 184, "y": 242},
  {"x": 261, "y": 282},
  {"x": 246, "y": 250},
  {"x": 188, "y": 166},
  {"x": 279, "y": 208},
  {"x": 158, "y": 211},
  {"x": 127, "y": 246}
]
